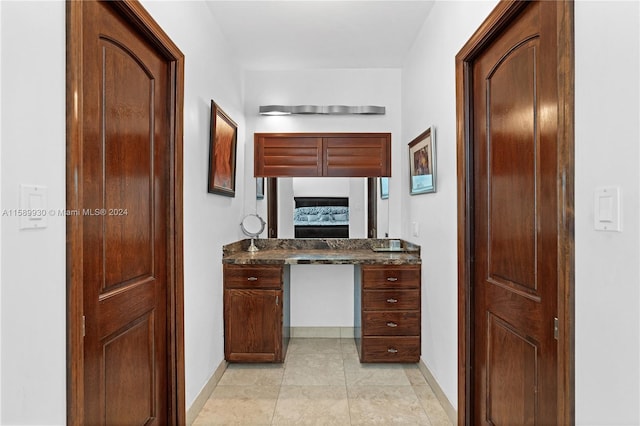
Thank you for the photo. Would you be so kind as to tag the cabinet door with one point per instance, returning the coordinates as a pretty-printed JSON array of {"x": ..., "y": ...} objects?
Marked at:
[
  {"x": 253, "y": 325},
  {"x": 357, "y": 156},
  {"x": 287, "y": 155}
]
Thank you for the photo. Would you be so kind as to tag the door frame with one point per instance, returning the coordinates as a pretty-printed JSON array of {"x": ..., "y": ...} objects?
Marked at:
[
  {"x": 141, "y": 21},
  {"x": 503, "y": 14}
]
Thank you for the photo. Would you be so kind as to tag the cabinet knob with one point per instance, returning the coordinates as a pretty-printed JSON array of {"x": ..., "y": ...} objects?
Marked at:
[
  {"x": 392, "y": 279},
  {"x": 252, "y": 279},
  {"x": 391, "y": 324},
  {"x": 392, "y": 300},
  {"x": 392, "y": 351}
]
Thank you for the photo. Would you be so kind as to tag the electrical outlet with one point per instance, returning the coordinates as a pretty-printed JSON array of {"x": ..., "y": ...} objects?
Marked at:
[{"x": 416, "y": 229}]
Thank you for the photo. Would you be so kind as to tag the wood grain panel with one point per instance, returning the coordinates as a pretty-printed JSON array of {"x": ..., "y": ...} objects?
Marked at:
[
  {"x": 391, "y": 349},
  {"x": 250, "y": 334},
  {"x": 287, "y": 156},
  {"x": 512, "y": 126},
  {"x": 395, "y": 323},
  {"x": 254, "y": 276},
  {"x": 389, "y": 277},
  {"x": 513, "y": 223},
  {"x": 322, "y": 154},
  {"x": 357, "y": 156},
  {"x": 128, "y": 146},
  {"x": 108, "y": 44},
  {"x": 512, "y": 370},
  {"x": 129, "y": 372},
  {"x": 386, "y": 300}
]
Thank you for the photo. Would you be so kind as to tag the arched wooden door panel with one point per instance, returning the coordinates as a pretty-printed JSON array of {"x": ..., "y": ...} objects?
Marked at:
[
  {"x": 124, "y": 247},
  {"x": 516, "y": 246}
]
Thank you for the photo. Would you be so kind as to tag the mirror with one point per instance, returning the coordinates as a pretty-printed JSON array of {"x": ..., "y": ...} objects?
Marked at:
[
  {"x": 359, "y": 191},
  {"x": 252, "y": 225}
]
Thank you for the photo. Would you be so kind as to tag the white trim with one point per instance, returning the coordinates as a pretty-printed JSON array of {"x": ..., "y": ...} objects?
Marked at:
[
  {"x": 437, "y": 390},
  {"x": 205, "y": 393}
]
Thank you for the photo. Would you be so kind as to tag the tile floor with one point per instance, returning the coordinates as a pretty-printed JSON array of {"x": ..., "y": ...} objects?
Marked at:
[{"x": 322, "y": 383}]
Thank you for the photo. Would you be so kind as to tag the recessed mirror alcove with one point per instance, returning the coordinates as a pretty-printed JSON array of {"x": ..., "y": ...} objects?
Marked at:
[{"x": 367, "y": 214}]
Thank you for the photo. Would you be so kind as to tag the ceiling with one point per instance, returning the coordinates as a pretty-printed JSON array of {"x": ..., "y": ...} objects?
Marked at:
[{"x": 303, "y": 34}]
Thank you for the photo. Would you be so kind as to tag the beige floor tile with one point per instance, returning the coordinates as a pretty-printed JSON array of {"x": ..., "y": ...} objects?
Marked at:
[
  {"x": 414, "y": 374},
  {"x": 349, "y": 350},
  {"x": 385, "y": 405},
  {"x": 431, "y": 405},
  {"x": 312, "y": 405},
  {"x": 322, "y": 382},
  {"x": 314, "y": 346},
  {"x": 314, "y": 369},
  {"x": 372, "y": 374},
  {"x": 239, "y": 405},
  {"x": 252, "y": 375}
]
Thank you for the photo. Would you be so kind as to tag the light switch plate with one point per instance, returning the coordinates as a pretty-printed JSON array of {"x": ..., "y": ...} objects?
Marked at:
[
  {"x": 33, "y": 206},
  {"x": 606, "y": 213}
]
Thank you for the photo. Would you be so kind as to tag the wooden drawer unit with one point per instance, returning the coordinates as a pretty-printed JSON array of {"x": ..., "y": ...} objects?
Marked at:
[
  {"x": 390, "y": 276},
  {"x": 391, "y": 349},
  {"x": 398, "y": 323},
  {"x": 252, "y": 276},
  {"x": 256, "y": 312},
  {"x": 391, "y": 300},
  {"x": 387, "y": 317}
]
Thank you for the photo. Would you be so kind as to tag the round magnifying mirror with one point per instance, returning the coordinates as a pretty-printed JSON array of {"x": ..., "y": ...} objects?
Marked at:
[{"x": 252, "y": 226}]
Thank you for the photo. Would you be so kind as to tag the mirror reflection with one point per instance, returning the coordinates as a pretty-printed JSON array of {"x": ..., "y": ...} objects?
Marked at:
[{"x": 311, "y": 207}]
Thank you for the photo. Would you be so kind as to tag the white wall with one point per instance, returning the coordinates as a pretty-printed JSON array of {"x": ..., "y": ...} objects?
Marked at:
[
  {"x": 325, "y": 87},
  {"x": 428, "y": 98},
  {"x": 33, "y": 261},
  {"x": 210, "y": 220},
  {"x": 607, "y": 277},
  {"x": 607, "y": 137}
]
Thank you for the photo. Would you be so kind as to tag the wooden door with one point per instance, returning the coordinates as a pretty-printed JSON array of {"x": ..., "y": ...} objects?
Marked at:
[
  {"x": 125, "y": 230},
  {"x": 253, "y": 325},
  {"x": 515, "y": 156}
]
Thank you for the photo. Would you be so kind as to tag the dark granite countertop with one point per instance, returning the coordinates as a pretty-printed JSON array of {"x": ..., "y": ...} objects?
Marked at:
[{"x": 337, "y": 251}]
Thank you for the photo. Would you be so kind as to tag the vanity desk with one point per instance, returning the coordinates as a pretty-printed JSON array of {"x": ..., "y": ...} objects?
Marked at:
[{"x": 386, "y": 296}]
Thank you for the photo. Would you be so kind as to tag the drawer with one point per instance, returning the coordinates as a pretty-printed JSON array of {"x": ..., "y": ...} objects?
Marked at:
[
  {"x": 252, "y": 276},
  {"x": 390, "y": 276},
  {"x": 391, "y": 323},
  {"x": 387, "y": 300},
  {"x": 390, "y": 349}
]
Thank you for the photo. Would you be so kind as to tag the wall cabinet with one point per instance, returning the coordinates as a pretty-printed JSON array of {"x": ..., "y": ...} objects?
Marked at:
[
  {"x": 322, "y": 154},
  {"x": 387, "y": 317},
  {"x": 256, "y": 312}
]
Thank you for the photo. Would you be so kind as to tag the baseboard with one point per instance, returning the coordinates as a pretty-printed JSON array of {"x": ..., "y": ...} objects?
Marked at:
[
  {"x": 205, "y": 393},
  {"x": 437, "y": 390},
  {"x": 322, "y": 332}
]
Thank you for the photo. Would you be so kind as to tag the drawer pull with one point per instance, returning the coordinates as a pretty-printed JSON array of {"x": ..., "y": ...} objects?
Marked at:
[
  {"x": 392, "y": 279},
  {"x": 392, "y": 351},
  {"x": 391, "y": 324},
  {"x": 252, "y": 279},
  {"x": 392, "y": 300}
]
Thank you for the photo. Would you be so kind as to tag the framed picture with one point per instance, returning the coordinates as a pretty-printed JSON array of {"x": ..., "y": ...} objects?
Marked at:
[
  {"x": 260, "y": 188},
  {"x": 384, "y": 188},
  {"x": 222, "y": 153},
  {"x": 422, "y": 159}
]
